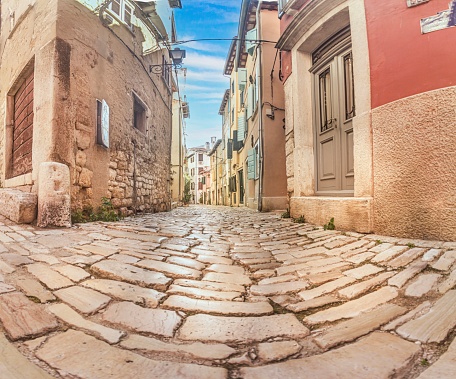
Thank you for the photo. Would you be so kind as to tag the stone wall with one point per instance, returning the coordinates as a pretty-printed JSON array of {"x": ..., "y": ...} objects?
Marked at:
[{"x": 77, "y": 61}]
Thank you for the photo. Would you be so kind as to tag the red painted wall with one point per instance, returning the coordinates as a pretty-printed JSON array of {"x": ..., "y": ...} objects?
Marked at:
[{"x": 403, "y": 61}]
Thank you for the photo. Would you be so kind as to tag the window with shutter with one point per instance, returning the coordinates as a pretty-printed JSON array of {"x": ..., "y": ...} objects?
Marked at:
[
  {"x": 249, "y": 101},
  {"x": 242, "y": 78},
  {"x": 241, "y": 127},
  {"x": 251, "y": 163},
  {"x": 250, "y": 41}
]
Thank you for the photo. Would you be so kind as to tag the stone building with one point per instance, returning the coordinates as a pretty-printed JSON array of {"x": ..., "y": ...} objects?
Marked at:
[
  {"x": 77, "y": 89},
  {"x": 198, "y": 162},
  {"x": 370, "y": 89}
]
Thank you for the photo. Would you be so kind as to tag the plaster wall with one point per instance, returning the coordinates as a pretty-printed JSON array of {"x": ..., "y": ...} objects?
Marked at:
[
  {"x": 414, "y": 166},
  {"x": 274, "y": 181},
  {"x": 396, "y": 63}
]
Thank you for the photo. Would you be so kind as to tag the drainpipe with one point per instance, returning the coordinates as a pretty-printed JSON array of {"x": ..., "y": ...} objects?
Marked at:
[{"x": 260, "y": 111}]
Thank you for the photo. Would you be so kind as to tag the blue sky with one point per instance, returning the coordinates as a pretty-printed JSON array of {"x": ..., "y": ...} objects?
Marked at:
[{"x": 205, "y": 83}]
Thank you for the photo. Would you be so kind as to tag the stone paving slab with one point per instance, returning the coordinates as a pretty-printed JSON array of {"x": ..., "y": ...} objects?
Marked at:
[
  {"x": 445, "y": 261},
  {"x": 71, "y": 317},
  {"x": 186, "y": 262},
  {"x": 155, "y": 321},
  {"x": 435, "y": 325},
  {"x": 313, "y": 303},
  {"x": 83, "y": 299},
  {"x": 326, "y": 288},
  {"x": 207, "y": 285},
  {"x": 360, "y": 288},
  {"x": 275, "y": 289},
  {"x": 171, "y": 270},
  {"x": 22, "y": 318},
  {"x": 363, "y": 271},
  {"x": 196, "y": 349},
  {"x": 228, "y": 308},
  {"x": 241, "y": 329},
  {"x": 102, "y": 361},
  {"x": 74, "y": 273},
  {"x": 422, "y": 285},
  {"x": 240, "y": 279},
  {"x": 202, "y": 294},
  {"x": 125, "y": 291},
  {"x": 378, "y": 356},
  {"x": 358, "y": 326},
  {"x": 354, "y": 307},
  {"x": 405, "y": 275},
  {"x": 51, "y": 279},
  {"x": 276, "y": 351},
  {"x": 130, "y": 274},
  {"x": 13, "y": 365}
]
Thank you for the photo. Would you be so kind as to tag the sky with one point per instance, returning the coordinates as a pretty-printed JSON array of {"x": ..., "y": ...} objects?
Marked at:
[{"x": 204, "y": 83}]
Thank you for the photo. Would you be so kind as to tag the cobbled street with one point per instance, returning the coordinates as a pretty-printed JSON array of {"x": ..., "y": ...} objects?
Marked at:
[{"x": 217, "y": 292}]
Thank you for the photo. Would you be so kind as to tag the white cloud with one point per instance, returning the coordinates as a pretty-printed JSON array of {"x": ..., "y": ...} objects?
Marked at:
[{"x": 201, "y": 61}]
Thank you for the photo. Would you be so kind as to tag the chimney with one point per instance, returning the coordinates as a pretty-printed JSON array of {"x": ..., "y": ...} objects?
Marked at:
[
  {"x": 213, "y": 140},
  {"x": 207, "y": 146}
]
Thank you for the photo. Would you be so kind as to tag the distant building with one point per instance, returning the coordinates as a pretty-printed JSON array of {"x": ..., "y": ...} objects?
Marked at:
[
  {"x": 198, "y": 163},
  {"x": 76, "y": 88}
]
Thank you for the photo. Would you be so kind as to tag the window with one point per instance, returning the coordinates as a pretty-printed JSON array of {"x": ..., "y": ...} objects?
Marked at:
[
  {"x": 282, "y": 4},
  {"x": 349, "y": 87},
  {"x": 20, "y": 110},
  {"x": 123, "y": 10},
  {"x": 192, "y": 172},
  {"x": 326, "y": 119},
  {"x": 192, "y": 185},
  {"x": 139, "y": 114},
  {"x": 200, "y": 157}
]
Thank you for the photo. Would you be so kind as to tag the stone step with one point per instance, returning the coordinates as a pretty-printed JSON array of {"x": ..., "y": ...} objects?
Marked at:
[{"x": 18, "y": 206}]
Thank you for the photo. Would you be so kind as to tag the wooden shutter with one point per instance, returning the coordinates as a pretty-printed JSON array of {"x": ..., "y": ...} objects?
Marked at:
[
  {"x": 23, "y": 128},
  {"x": 250, "y": 42},
  {"x": 251, "y": 163},
  {"x": 241, "y": 127}
]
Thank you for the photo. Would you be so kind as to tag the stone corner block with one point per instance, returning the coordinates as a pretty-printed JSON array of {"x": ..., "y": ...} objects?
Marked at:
[
  {"x": 54, "y": 200},
  {"x": 18, "y": 206}
]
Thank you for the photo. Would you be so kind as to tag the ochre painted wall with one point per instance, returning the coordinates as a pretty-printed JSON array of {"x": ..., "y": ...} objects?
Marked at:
[{"x": 405, "y": 62}]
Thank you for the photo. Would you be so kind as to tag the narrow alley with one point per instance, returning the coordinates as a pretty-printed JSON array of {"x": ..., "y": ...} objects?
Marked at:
[{"x": 217, "y": 292}]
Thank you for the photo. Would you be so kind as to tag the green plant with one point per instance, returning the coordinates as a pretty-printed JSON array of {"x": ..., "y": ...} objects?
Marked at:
[
  {"x": 411, "y": 245},
  {"x": 378, "y": 242},
  {"x": 105, "y": 212},
  {"x": 330, "y": 225},
  {"x": 424, "y": 362},
  {"x": 300, "y": 220},
  {"x": 286, "y": 214}
]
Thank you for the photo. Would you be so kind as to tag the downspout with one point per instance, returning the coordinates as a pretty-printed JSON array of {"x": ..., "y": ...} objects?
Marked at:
[{"x": 260, "y": 111}]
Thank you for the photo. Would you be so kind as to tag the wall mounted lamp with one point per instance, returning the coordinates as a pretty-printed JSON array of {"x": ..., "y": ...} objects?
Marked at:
[{"x": 177, "y": 56}]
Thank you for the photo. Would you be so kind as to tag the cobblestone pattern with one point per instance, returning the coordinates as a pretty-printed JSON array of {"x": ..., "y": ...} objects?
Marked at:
[{"x": 213, "y": 292}]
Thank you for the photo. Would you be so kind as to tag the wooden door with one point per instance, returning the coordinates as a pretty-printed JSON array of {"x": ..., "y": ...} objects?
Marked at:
[
  {"x": 334, "y": 110},
  {"x": 23, "y": 128}
]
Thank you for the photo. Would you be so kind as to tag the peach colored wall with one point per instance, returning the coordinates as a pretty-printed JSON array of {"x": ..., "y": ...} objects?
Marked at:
[
  {"x": 405, "y": 62},
  {"x": 414, "y": 166}
]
